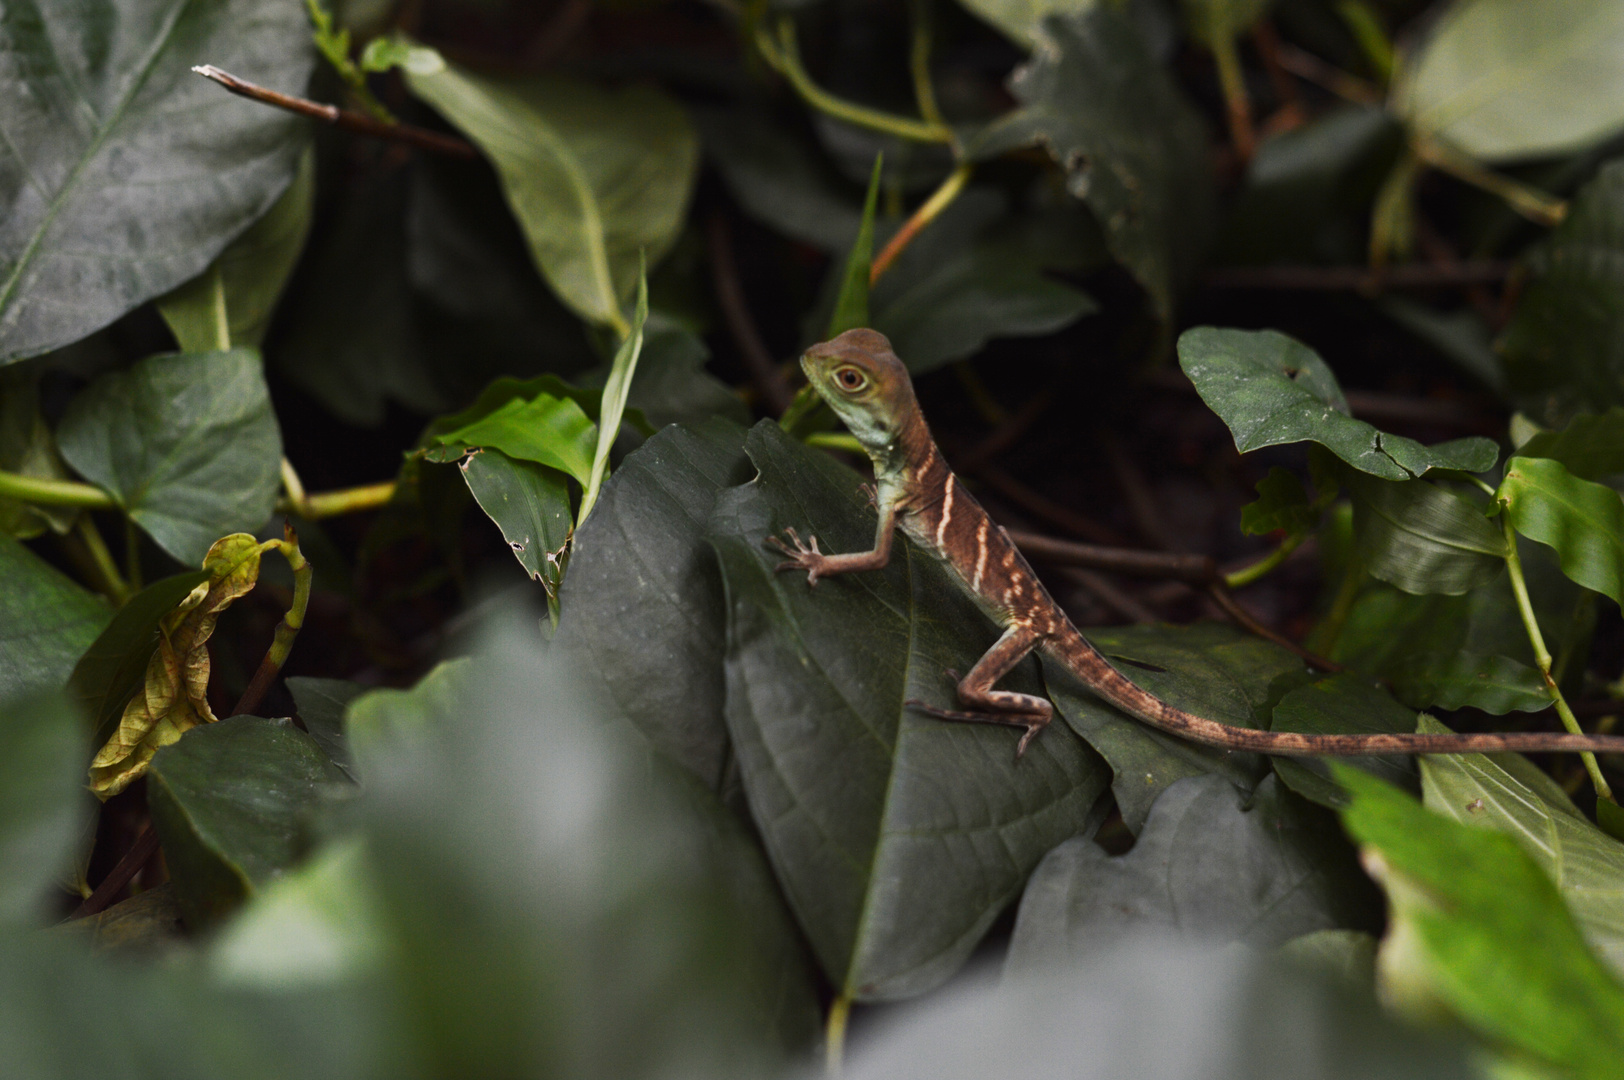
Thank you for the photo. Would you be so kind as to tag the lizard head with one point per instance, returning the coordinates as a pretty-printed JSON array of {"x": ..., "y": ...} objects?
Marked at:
[{"x": 865, "y": 384}]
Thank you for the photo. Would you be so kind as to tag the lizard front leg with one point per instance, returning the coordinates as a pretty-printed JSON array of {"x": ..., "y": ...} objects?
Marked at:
[
  {"x": 806, "y": 556},
  {"x": 991, "y": 706}
]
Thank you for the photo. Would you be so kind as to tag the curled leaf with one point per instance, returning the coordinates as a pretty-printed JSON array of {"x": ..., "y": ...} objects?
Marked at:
[{"x": 173, "y": 698}]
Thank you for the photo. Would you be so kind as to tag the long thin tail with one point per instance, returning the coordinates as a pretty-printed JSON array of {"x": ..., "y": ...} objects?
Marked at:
[{"x": 1116, "y": 688}]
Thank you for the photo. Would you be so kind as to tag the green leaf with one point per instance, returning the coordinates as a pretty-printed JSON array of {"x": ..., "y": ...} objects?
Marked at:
[
  {"x": 642, "y": 609},
  {"x": 1271, "y": 389},
  {"x": 1133, "y": 148},
  {"x": 228, "y": 802},
  {"x": 851, "y": 304},
  {"x": 1158, "y": 1008},
  {"x": 1508, "y": 793},
  {"x": 46, "y": 622},
  {"x": 1282, "y": 505},
  {"x": 547, "y": 430},
  {"x": 1022, "y": 20},
  {"x": 1590, "y": 447},
  {"x": 186, "y": 443},
  {"x": 897, "y": 837},
  {"x": 615, "y": 391},
  {"x": 1468, "y": 680},
  {"x": 596, "y": 178},
  {"x": 1211, "y": 864},
  {"x": 1215, "y": 23},
  {"x": 42, "y": 802},
  {"x": 231, "y": 302},
  {"x": 28, "y": 449},
  {"x": 113, "y": 201},
  {"x": 1422, "y": 537},
  {"x": 1564, "y": 346},
  {"x": 1582, "y": 521},
  {"x": 321, "y": 705},
  {"x": 385, "y": 723},
  {"x": 1503, "y": 79},
  {"x": 1478, "y": 928},
  {"x": 1211, "y": 669},
  {"x": 108, "y": 672},
  {"x": 530, "y": 503},
  {"x": 1345, "y": 704}
]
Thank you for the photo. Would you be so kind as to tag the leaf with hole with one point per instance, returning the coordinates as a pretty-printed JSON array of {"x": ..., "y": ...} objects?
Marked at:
[
  {"x": 530, "y": 503},
  {"x": 897, "y": 837}
]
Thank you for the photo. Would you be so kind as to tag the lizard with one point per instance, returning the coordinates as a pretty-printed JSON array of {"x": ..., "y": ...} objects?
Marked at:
[{"x": 868, "y": 387}]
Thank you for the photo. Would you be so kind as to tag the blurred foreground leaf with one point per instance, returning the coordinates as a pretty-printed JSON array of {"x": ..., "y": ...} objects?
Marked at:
[
  {"x": 898, "y": 838},
  {"x": 41, "y": 805}
]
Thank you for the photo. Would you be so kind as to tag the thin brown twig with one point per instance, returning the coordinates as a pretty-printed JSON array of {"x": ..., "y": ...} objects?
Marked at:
[
  {"x": 121, "y": 875},
  {"x": 345, "y": 119},
  {"x": 758, "y": 360},
  {"x": 1193, "y": 569},
  {"x": 1147, "y": 516},
  {"x": 1248, "y": 622}
]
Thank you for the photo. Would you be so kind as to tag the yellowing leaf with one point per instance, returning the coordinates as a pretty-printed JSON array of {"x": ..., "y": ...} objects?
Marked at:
[{"x": 174, "y": 696}]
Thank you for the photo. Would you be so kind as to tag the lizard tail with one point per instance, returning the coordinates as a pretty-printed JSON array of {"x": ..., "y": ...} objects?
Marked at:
[{"x": 1091, "y": 666}]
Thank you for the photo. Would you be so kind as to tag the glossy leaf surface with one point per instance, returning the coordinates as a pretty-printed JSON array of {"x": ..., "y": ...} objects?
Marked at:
[
  {"x": 1581, "y": 520},
  {"x": 1424, "y": 538}
]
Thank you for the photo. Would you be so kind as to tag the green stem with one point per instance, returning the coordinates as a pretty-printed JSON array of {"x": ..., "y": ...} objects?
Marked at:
[
  {"x": 1542, "y": 655},
  {"x": 928, "y": 212},
  {"x": 43, "y": 491},
  {"x": 1537, "y": 206},
  {"x": 784, "y": 56},
  {"x": 834, "y": 1035},
  {"x": 288, "y": 629},
  {"x": 112, "y": 584},
  {"x": 132, "y": 554},
  {"x": 1266, "y": 565},
  {"x": 1326, "y": 634},
  {"x": 1238, "y": 106},
  {"x": 326, "y": 504},
  {"x": 835, "y": 440},
  {"x": 1392, "y": 218},
  {"x": 919, "y": 64},
  {"x": 1366, "y": 28}
]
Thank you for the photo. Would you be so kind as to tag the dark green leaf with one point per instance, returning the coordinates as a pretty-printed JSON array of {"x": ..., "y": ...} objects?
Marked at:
[
  {"x": 46, "y": 622},
  {"x": 1271, "y": 389},
  {"x": 1347, "y": 704},
  {"x": 1582, "y": 521},
  {"x": 1282, "y": 505},
  {"x": 28, "y": 449},
  {"x": 1479, "y": 929},
  {"x": 109, "y": 671},
  {"x": 231, "y": 302},
  {"x": 112, "y": 199},
  {"x": 897, "y": 837},
  {"x": 1590, "y": 447},
  {"x": 1462, "y": 337},
  {"x": 1159, "y": 1010},
  {"x": 229, "y": 801},
  {"x": 1422, "y": 537},
  {"x": 187, "y": 444},
  {"x": 530, "y": 503},
  {"x": 1504, "y": 80},
  {"x": 544, "y": 429},
  {"x": 851, "y": 303},
  {"x": 1211, "y": 669},
  {"x": 42, "y": 801},
  {"x": 1564, "y": 347},
  {"x": 642, "y": 608},
  {"x": 321, "y": 704},
  {"x": 596, "y": 178},
  {"x": 1133, "y": 148},
  {"x": 1508, "y": 793},
  {"x": 672, "y": 385},
  {"x": 1211, "y": 864},
  {"x": 1468, "y": 680}
]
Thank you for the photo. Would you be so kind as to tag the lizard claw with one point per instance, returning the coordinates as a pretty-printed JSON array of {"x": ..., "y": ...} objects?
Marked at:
[
  {"x": 802, "y": 556},
  {"x": 871, "y": 492}
]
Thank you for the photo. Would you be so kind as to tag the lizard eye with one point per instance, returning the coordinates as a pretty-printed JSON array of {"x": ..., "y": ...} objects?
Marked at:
[{"x": 850, "y": 379}]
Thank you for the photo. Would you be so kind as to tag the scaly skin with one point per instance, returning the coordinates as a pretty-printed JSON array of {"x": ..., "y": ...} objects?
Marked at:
[{"x": 868, "y": 387}]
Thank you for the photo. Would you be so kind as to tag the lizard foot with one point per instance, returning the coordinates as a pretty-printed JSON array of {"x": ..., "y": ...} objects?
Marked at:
[
  {"x": 871, "y": 493},
  {"x": 802, "y": 556},
  {"x": 1032, "y": 722}
]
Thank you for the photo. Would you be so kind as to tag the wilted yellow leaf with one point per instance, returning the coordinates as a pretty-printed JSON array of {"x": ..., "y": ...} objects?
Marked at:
[{"x": 173, "y": 698}]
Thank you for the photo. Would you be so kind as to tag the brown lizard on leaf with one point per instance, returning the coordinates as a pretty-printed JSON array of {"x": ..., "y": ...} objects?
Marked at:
[{"x": 868, "y": 387}]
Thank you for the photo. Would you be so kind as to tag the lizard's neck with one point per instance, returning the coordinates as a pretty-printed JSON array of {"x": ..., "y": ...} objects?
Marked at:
[{"x": 902, "y": 460}]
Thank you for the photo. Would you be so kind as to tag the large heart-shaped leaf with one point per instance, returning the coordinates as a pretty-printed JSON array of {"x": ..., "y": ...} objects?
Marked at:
[
  {"x": 187, "y": 444},
  {"x": 1212, "y": 670},
  {"x": 46, "y": 622},
  {"x": 109, "y": 201},
  {"x": 229, "y": 802},
  {"x": 1505, "y": 79},
  {"x": 1133, "y": 148},
  {"x": 596, "y": 178},
  {"x": 642, "y": 606},
  {"x": 897, "y": 837},
  {"x": 1424, "y": 538},
  {"x": 1581, "y": 520},
  {"x": 1271, "y": 389},
  {"x": 1508, "y": 793},
  {"x": 1211, "y": 864}
]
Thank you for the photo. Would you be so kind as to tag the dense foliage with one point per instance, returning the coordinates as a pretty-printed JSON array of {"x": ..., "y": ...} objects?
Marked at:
[{"x": 394, "y": 678}]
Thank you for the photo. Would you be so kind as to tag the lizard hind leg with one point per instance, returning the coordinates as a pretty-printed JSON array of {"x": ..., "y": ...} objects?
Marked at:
[{"x": 984, "y": 705}]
